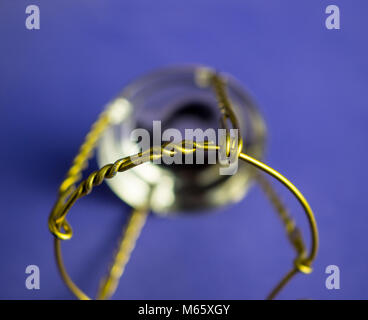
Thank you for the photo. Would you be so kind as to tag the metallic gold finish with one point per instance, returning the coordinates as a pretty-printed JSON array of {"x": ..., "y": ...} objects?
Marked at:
[
  {"x": 69, "y": 193},
  {"x": 110, "y": 282},
  {"x": 227, "y": 112},
  {"x": 182, "y": 97},
  {"x": 128, "y": 240}
]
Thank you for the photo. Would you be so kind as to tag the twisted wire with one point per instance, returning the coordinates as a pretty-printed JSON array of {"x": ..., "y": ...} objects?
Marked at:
[
  {"x": 292, "y": 231},
  {"x": 69, "y": 193},
  {"x": 227, "y": 111},
  {"x": 110, "y": 282},
  {"x": 128, "y": 241},
  {"x": 303, "y": 262},
  {"x": 85, "y": 152},
  {"x": 57, "y": 218}
]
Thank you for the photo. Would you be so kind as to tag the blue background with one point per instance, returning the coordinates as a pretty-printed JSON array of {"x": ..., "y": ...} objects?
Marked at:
[{"x": 310, "y": 83}]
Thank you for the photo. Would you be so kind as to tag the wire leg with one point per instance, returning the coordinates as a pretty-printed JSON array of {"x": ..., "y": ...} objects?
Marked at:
[
  {"x": 283, "y": 282},
  {"x": 64, "y": 274},
  {"x": 111, "y": 281},
  {"x": 128, "y": 241}
]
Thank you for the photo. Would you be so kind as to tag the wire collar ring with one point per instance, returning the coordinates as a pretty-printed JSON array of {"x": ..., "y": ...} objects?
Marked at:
[{"x": 69, "y": 192}]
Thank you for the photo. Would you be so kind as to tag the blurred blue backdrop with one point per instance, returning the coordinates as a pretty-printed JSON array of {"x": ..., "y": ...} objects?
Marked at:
[{"x": 310, "y": 83}]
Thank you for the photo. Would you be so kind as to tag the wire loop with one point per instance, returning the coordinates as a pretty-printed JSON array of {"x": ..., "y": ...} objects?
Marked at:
[{"x": 70, "y": 192}]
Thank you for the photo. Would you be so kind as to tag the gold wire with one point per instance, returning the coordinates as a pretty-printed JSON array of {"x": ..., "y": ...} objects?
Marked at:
[
  {"x": 292, "y": 231},
  {"x": 80, "y": 162},
  {"x": 128, "y": 241},
  {"x": 69, "y": 193},
  {"x": 64, "y": 274},
  {"x": 303, "y": 264},
  {"x": 227, "y": 111},
  {"x": 284, "y": 281},
  {"x": 110, "y": 282}
]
